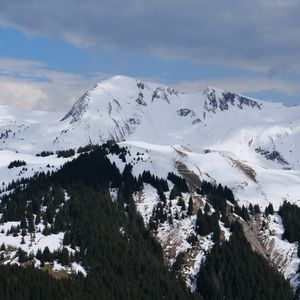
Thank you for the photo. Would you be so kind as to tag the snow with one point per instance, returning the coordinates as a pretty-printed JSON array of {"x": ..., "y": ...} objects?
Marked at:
[
  {"x": 33, "y": 243},
  {"x": 52, "y": 241},
  {"x": 33, "y": 165},
  {"x": 74, "y": 268},
  {"x": 225, "y": 230},
  {"x": 77, "y": 268},
  {"x": 271, "y": 185},
  {"x": 113, "y": 194},
  {"x": 206, "y": 245},
  {"x": 146, "y": 201}
]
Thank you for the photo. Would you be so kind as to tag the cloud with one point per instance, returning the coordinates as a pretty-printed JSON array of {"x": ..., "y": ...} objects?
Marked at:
[
  {"x": 31, "y": 85},
  {"x": 258, "y": 35},
  {"x": 21, "y": 94}
]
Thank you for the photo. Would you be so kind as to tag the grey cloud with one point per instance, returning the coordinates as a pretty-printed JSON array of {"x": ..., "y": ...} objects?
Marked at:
[{"x": 261, "y": 35}]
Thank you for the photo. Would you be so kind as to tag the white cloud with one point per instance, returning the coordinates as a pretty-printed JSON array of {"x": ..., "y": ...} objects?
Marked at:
[
  {"x": 21, "y": 94},
  {"x": 29, "y": 84}
]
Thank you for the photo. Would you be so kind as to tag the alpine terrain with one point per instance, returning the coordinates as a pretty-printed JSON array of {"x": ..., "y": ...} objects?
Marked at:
[{"x": 141, "y": 191}]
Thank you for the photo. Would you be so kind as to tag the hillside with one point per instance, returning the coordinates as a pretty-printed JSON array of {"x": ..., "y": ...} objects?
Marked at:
[{"x": 80, "y": 225}]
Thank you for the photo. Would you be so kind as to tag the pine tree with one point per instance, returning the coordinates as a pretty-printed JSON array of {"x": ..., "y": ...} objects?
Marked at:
[
  {"x": 31, "y": 226},
  {"x": 181, "y": 203},
  {"x": 3, "y": 248},
  {"x": 175, "y": 192},
  {"x": 269, "y": 210},
  {"x": 206, "y": 208},
  {"x": 22, "y": 256},
  {"x": 39, "y": 255},
  {"x": 47, "y": 256},
  {"x": 67, "y": 238},
  {"x": 251, "y": 209},
  {"x": 190, "y": 207},
  {"x": 256, "y": 209},
  {"x": 65, "y": 260}
]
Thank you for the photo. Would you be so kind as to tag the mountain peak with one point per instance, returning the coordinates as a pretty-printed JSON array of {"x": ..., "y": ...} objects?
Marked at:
[
  {"x": 121, "y": 95},
  {"x": 111, "y": 84},
  {"x": 223, "y": 99},
  {"x": 117, "y": 80}
]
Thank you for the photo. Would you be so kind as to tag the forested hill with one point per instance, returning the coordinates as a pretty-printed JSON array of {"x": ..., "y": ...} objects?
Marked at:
[
  {"x": 105, "y": 239},
  {"x": 109, "y": 239}
]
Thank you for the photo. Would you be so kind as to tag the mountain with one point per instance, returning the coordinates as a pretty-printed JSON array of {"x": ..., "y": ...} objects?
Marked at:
[
  {"x": 255, "y": 143},
  {"x": 225, "y": 156}
]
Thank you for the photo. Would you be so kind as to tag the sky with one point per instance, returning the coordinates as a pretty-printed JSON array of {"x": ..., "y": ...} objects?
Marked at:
[{"x": 51, "y": 52}]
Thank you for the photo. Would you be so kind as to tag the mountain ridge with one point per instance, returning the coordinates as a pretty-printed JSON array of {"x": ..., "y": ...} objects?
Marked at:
[{"x": 233, "y": 133}]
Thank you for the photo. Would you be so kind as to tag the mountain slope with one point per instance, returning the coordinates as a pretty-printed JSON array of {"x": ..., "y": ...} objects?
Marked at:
[
  {"x": 103, "y": 250},
  {"x": 255, "y": 143},
  {"x": 92, "y": 206}
]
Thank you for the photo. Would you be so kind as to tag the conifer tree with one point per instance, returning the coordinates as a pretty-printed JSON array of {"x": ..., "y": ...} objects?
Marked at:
[
  {"x": 175, "y": 192},
  {"x": 190, "y": 207},
  {"x": 181, "y": 203}
]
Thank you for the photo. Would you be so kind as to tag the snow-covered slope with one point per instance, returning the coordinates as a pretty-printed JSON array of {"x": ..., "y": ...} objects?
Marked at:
[
  {"x": 250, "y": 145},
  {"x": 123, "y": 108}
]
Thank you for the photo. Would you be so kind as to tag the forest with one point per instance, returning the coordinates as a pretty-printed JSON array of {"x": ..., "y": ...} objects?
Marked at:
[
  {"x": 122, "y": 258},
  {"x": 120, "y": 265}
]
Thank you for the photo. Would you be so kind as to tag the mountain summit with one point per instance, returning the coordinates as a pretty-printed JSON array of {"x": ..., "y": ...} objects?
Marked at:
[{"x": 122, "y": 108}]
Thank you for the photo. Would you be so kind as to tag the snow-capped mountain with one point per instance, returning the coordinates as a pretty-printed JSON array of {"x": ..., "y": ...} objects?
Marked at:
[{"x": 250, "y": 145}]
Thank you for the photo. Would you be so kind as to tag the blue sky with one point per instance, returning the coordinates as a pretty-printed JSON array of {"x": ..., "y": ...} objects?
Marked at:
[{"x": 50, "y": 53}]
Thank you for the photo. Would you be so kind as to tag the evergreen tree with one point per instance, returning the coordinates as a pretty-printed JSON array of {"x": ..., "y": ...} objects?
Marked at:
[
  {"x": 181, "y": 203},
  {"x": 65, "y": 259},
  {"x": 67, "y": 238},
  {"x": 269, "y": 210},
  {"x": 175, "y": 192},
  {"x": 206, "y": 208},
  {"x": 22, "y": 256},
  {"x": 290, "y": 214},
  {"x": 251, "y": 209},
  {"x": 3, "y": 248},
  {"x": 256, "y": 209},
  {"x": 190, "y": 207},
  {"x": 47, "y": 256}
]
